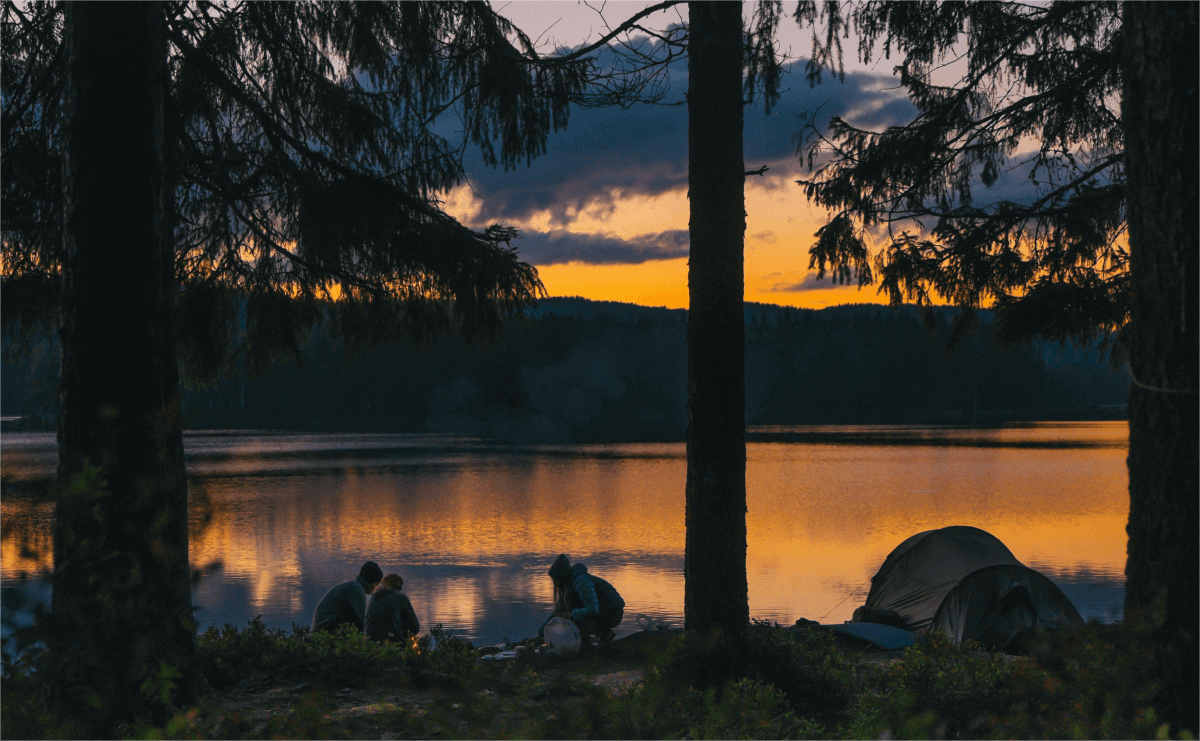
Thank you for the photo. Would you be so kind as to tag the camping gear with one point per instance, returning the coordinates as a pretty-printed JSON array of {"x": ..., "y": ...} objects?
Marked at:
[
  {"x": 964, "y": 582},
  {"x": 886, "y": 637},
  {"x": 562, "y": 637},
  {"x": 648, "y": 624},
  {"x": 876, "y": 634}
]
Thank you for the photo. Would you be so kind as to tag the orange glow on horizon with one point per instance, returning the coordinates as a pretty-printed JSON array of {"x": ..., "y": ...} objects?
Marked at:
[{"x": 779, "y": 227}]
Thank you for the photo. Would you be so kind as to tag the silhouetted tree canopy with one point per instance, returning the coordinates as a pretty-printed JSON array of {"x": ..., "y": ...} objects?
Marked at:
[
  {"x": 1024, "y": 95},
  {"x": 306, "y": 145}
]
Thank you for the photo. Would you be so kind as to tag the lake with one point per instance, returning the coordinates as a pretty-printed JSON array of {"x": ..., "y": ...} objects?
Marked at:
[{"x": 278, "y": 518}]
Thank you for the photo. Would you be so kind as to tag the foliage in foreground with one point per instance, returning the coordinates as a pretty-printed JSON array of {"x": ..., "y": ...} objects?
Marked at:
[
  {"x": 1090, "y": 683},
  {"x": 1093, "y": 682},
  {"x": 806, "y": 667},
  {"x": 343, "y": 658}
]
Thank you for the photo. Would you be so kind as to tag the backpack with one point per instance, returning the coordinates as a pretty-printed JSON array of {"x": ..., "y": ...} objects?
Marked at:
[{"x": 610, "y": 600}]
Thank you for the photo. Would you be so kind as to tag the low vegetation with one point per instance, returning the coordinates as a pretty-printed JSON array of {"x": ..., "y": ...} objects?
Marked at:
[{"x": 779, "y": 683}]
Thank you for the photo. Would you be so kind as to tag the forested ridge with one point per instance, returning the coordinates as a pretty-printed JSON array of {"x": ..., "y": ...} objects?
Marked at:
[{"x": 579, "y": 370}]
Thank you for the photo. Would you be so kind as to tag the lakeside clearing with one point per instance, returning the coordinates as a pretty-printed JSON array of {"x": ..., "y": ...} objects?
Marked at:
[{"x": 778, "y": 683}]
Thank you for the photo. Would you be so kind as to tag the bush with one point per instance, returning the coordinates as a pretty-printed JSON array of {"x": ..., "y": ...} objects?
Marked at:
[
  {"x": 936, "y": 689},
  {"x": 742, "y": 708},
  {"x": 344, "y": 658},
  {"x": 1099, "y": 681},
  {"x": 805, "y": 666},
  {"x": 24, "y": 703},
  {"x": 1092, "y": 682},
  {"x": 440, "y": 658}
]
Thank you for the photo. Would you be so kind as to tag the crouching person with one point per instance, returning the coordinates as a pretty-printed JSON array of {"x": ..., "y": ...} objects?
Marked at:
[
  {"x": 346, "y": 604},
  {"x": 390, "y": 615},
  {"x": 585, "y": 599}
]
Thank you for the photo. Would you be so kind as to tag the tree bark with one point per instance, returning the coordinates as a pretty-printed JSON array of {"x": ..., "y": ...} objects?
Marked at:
[
  {"x": 715, "y": 593},
  {"x": 121, "y": 608},
  {"x": 1159, "y": 110}
]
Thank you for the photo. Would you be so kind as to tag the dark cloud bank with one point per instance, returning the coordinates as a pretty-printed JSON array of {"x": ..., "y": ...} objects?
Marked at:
[
  {"x": 607, "y": 154},
  {"x": 810, "y": 282},
  {"x": 558, "y": 247},
  {"x": 610, "y": 153}
]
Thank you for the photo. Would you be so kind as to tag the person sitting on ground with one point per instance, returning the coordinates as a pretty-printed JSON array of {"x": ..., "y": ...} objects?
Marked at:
[
  {"x": 390, "y": 615},
  {"x": 346, "y": 604},
  {"x": 585, "y": 599}
]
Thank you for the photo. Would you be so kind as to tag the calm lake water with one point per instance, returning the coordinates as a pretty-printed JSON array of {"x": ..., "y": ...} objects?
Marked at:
[{"x": 278, "y": 518}]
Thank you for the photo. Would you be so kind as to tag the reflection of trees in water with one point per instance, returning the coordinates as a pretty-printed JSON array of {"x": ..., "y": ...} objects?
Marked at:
[
  {"x": 200, "y": 508},
  {"x": 472, "y": 530},
  {"x": 26, "y": 555},
  {"x": 26, "y": 542},
  {"x": 25, "y": 539}
]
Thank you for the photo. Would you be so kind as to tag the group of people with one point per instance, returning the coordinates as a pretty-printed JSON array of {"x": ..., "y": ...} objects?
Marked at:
[
  {"x": 590, "y": 602},
  {"x": 387, "y": 617}
]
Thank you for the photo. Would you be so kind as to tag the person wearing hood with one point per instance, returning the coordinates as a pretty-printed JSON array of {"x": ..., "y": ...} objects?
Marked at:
[
  {"x": 390, "y": 615},
  {"x": 585, "y": 599},
  {"x": 346, "y": 604}
]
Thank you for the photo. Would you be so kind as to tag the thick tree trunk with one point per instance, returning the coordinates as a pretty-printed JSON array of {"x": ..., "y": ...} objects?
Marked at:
[
  {"x": 1159, "y": 109},
  {"x": 715, "y": 595},
  {"x": 121, "y": 606}
]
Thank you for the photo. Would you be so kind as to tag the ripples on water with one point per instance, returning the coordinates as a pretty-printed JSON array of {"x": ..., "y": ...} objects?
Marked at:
[{"x": 276, "y": 519}]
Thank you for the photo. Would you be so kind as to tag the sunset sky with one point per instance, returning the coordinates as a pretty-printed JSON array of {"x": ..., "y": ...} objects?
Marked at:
[{"x": 604, "y": 213}]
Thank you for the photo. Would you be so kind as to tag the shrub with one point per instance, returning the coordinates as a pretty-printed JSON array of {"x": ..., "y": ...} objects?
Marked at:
[
  {"x": 805, "y": 666},
  {"x": 1098, "y": 681},
  {"x": 743, "y": 708},
  {"x": 440, "y": 658},
  {"x": 1092, "y": 682},
  {"x": 344, "y": 658},
  {"x": 936, "y": 689}
]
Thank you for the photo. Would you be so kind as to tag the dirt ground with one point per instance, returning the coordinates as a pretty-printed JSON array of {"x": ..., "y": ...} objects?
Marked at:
[{"x": 510, "y": 698}]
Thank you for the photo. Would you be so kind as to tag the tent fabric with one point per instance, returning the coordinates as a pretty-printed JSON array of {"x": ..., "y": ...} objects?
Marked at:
[
  {"x": 994, "y": 604},
  {"x": 921, "y": 571},
  {"x": 965, "y": 582}
]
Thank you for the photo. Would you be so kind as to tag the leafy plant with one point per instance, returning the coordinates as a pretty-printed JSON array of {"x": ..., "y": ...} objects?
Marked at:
[
  {"x": 344, "y": 658},
  {"x": 805, "y": 666}
]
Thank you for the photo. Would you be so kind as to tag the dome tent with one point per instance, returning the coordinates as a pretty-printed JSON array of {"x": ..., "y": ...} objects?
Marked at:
[{"x": 966, "y": 583}]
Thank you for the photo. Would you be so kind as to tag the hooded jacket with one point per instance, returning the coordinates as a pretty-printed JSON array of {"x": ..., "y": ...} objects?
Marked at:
[
  {"x": 589, "y": 598},
  {"x": 390, "y": 616},
  {"x": 345, "y": 603}
]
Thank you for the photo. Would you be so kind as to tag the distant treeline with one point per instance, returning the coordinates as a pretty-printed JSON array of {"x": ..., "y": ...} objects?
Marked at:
[{"x": 578, "y": 370}]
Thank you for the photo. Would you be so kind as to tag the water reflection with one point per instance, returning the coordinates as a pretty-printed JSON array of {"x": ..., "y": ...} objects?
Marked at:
[{"x": 277, "y": 519}]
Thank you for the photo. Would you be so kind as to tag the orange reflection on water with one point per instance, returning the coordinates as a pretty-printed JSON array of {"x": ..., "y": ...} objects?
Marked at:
[
  {"x": 26, "y": 549},
  {"x": 466, "y": 520},
  {"x": 472, "y": 528},
  {"x": 821, "y": 521}
]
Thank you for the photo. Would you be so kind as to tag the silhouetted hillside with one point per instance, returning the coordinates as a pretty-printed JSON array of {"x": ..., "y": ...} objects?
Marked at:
[{"x": 580, "y": 370}]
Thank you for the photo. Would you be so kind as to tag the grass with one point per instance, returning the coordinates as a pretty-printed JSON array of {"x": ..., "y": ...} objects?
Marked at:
[{"x": 777, "y": 683}]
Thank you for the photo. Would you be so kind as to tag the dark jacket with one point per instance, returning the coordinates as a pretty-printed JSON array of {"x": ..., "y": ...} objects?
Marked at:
[
  {"x": 390, "y": 616},
  {"x": 344, "y": 604},
  {"x": 590, "y": 599}
]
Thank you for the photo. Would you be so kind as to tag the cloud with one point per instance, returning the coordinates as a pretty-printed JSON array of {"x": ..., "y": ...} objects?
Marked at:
[
  {"x": 810, "y": 283},
  {"x": 609, "y": 154},
  {"x": 559, "y": 247},
  {"x": 767, "y": 236}
]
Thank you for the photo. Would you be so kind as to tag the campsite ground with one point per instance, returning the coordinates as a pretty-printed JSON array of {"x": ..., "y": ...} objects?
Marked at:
[
  {"x": 593, "y": 694},
  {"x": 524, "y": 699},
  {"x": 779, "y": 683}
]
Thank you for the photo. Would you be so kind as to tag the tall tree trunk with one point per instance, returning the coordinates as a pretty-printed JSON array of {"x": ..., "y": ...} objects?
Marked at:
[
  {"x": 715, "y": 595},
  {"x": 1159, "y": 110},
  {"x": 121, "y": 606}
]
